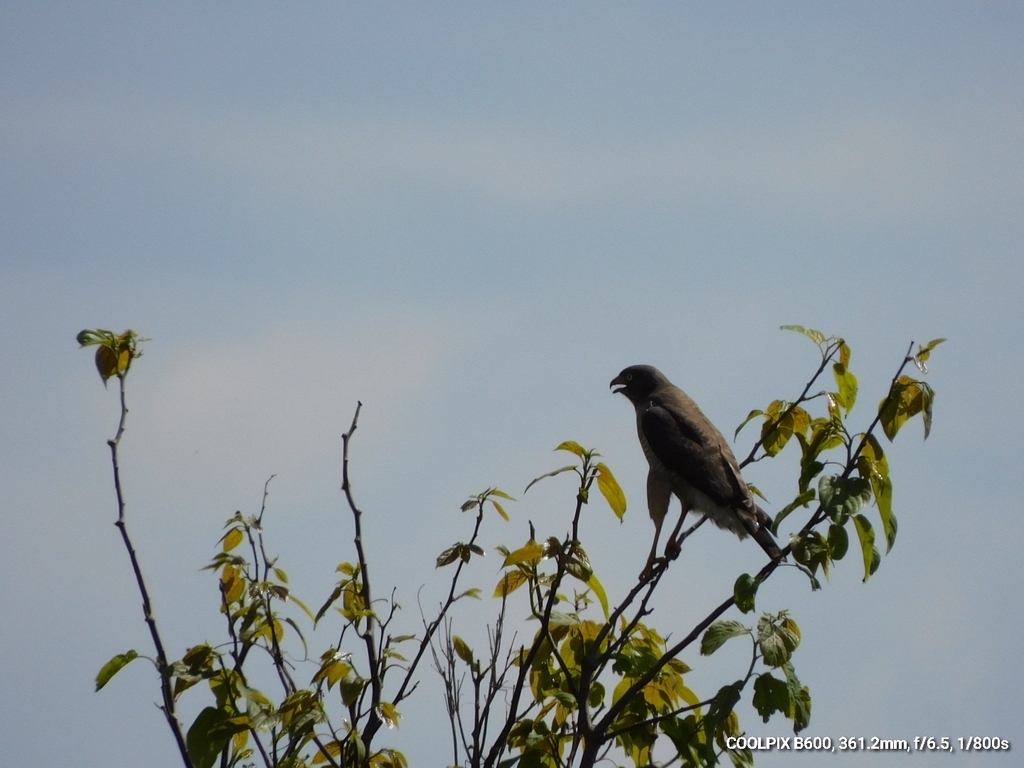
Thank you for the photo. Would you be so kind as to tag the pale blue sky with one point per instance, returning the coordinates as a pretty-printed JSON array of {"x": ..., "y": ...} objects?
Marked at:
[{"x": 471, "y": 217}]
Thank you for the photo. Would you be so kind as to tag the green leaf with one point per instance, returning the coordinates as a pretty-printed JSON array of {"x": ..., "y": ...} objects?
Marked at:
[
  {"x": 810, "y": 467},
  {"x": 799, "y": 698},
  {"x": 907, "y": 398},
  {"x": 683, "y": 733},
  {"x": 718, "y": 633},
  {"x": 722, "y": 706},
  {"x": 115, "y": 353},
  {"x": 800, "y": 501},
  {"x": 330, "y": 601},
  {"x": 449, "y": 556},
  {"x": 825, "y": 435},
  {"x": 816, "y": 336},
  {"x": 88, "y": 338},
  {"x": 811, "y": 550},
  {"x": 874, "y": 466},
  {"x": 611, "y": 490},
  {"x": 352, "y": 686},
  {"x": 866, "y": 534},
  {"x": 107, "y": 362},
  {"x": 115, "y": 665},
  {"x": 304, "y": 607},
  {"x": 777, "y": 641},
  {"x": 838, "y": 541},
  {"x": 744, "y": 591},
  {"x": 210, "y": 733},
  {"x": 552, "y": 473},
  {"x": 750, "y": 417},
  {"x": 771, "y": 695},
  {"x": 843, "y": 497},
  {"x": 928, "y": 400},
  {"x": 774, "y": 436},
  {"x": 782, "y": 420}
]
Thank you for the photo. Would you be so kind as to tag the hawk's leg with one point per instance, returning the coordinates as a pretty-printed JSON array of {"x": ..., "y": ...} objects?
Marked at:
[
  {"x": 659, "y": 491},
  {"x": 652, "y": 558},
  {"x": 674, "y": 546}
]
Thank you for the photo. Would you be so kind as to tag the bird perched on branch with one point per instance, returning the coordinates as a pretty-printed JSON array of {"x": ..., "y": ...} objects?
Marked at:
[{"x": 690, "y": 458}]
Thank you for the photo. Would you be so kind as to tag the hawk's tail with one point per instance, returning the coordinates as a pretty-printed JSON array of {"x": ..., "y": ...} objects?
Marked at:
[{"x": 763, "y": 534}]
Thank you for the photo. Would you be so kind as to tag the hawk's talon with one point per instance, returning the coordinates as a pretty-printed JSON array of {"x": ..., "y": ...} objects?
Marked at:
[
  {"x": 673, "y": 549},
  {"x": 652, "y": 564}
]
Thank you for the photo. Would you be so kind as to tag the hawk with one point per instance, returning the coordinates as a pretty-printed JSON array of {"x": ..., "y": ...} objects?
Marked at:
[{"x": 690, "y": 458}]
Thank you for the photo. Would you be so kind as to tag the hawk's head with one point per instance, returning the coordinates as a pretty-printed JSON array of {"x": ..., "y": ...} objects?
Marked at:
[{"x": 638, "y": 382}]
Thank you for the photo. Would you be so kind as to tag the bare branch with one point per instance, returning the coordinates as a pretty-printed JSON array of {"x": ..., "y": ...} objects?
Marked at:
[{"x": 147, "y": 607}]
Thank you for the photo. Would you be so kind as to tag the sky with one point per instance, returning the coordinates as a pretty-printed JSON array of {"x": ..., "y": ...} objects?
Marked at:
[{"x": 470, "y": 217}]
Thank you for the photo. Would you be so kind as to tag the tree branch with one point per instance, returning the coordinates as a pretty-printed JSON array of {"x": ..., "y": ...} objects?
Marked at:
[{"x": 147, "y": 607}]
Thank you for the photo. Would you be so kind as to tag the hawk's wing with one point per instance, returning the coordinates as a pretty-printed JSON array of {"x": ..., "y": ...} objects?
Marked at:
[{"x": 692, "y": 451}]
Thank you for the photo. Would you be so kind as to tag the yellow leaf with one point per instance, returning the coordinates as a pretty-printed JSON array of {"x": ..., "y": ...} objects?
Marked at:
[
  {"x": 816, "y": 336},
  {"x": 336, "y": 671},
  {"x": 844, "y": 354},
  {"x": 792, "y": 626},
  {"x": 611, "y": 490},
  {"x": 531, "y": 553},
  {"x": 462, "y": 649},
  {"x": 847, "y": 384},
  {"x": 332, "y": 748},
  {"x": 232, "y": 539},
  {"x": 594, "y": 583},
  {"x": 509, "y": 583},
  {"x": 573, "y": 447},
  {"x": 497, "y": 506},
  {"x": 388, "y": 714},
  {"x": 690, "y": 698},
  {"x": 124, "y": 359}
]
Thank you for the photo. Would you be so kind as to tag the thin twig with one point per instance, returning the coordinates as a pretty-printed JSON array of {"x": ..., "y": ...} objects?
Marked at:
[
  {"x": 826, "y": 356},
  {"x": 500, "y": 742},
  {"x": 368, "y": 636},
  {"x": 147, "y": 607}
]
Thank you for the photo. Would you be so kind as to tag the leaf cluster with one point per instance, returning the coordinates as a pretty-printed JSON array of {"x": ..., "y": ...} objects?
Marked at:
[
  {"x": 842, "y": 470},
  {"x": 592, "y": 681}
]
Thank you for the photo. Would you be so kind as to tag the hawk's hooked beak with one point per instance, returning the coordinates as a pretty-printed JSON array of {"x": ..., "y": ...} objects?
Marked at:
[{"x": 619, "y": 381}]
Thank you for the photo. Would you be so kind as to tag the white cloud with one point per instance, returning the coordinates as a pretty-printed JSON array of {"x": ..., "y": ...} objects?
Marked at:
[{"x": 283, "y": 385}]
